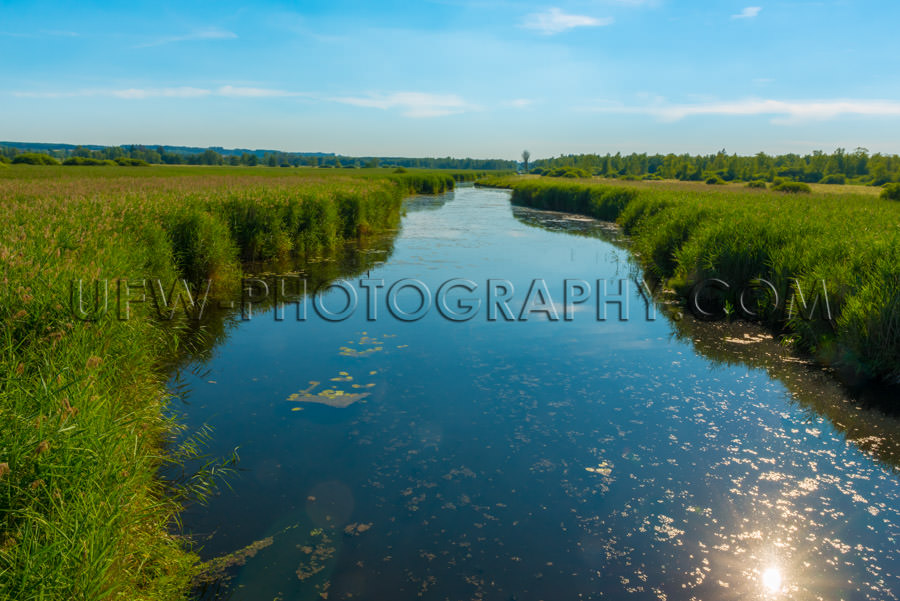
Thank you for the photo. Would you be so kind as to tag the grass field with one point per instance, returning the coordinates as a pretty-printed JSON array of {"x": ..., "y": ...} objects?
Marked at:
[
  {"x": 674, "y": 184},
  {"x": 82, "y": 426},
  {"x": 688, "y": 232}
]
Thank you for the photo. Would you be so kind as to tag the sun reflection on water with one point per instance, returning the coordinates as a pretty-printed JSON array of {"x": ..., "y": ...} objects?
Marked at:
[{"x": 771, "y": 580}]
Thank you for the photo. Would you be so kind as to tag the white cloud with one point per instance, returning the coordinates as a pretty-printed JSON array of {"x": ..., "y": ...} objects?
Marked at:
[
  {"x": 519, "y": 103},
  {"x": 138, "y": 93},
  {"x": 249, "y": 92},
  {"x": 125, "y": 93},
  {"x": 412, "y": 104},
  {"x": 784, "y": 111},
  {"x": 204, "y": 34},
  {"x": 170, "y": 92},
  {"x": 556, "y": 21},
  {"x": 749, "y": 12}
]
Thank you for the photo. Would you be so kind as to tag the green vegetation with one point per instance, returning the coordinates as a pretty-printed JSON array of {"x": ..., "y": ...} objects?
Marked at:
[
  {"x": 179, "y": 155},
  {"x": 85, "y": 161},
  {"x": 570, "y": 172},
  {"x": 34, "y": 158},
  {"x": 757, "y": 183},
  {"x": 792, "y": 187},
  {"x": 83, "y": 430},
  {"x": 857, "y": 167},
  {"x": 851, "y": 242},
  {"x": 891, "y": 192},
  {"x": 834, "y": 179}
]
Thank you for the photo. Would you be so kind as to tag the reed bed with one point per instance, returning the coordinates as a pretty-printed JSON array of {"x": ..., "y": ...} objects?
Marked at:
[
  {"x": 83, "y": 427},
  {"x": 851, "y": 242}
]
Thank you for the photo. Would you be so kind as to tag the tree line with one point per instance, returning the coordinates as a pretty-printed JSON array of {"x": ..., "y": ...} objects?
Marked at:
[
  {"x": 159, "y": 155},
  {"x": 839, "y": 167}
]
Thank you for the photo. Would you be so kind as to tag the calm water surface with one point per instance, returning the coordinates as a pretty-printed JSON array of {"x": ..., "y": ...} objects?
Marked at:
[{"x": 535, "y": 460}]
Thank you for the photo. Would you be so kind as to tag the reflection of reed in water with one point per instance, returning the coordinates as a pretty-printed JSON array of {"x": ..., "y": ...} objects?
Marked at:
[{"x": 855, "y": 412}]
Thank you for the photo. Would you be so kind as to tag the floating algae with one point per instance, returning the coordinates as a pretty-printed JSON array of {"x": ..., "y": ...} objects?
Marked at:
[
  {"x": 330, "y": 396},
  {"x": 604, "y": 468},
  {"x": 317, "y": 556},
  {"x": 356, "y": 529},
  {"x": 367, "y": 345},
  {"x": 216, "y": 570}
]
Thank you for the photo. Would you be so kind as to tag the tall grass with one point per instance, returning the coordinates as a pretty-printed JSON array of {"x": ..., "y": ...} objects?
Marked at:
[
  {"x": 850, "y": 242},
  {"x": 82, "y": 426}
]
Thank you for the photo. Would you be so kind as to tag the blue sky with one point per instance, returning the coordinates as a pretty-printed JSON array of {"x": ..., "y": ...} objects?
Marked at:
[{"x": 477, "y": 78}]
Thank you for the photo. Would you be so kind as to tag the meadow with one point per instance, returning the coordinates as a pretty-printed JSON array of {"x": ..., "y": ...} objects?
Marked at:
[
  {"x": 686, "y": 233},
  {"x": 83, "y": 425}
]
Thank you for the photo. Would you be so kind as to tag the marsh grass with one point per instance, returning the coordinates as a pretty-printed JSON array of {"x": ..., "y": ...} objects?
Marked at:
[
  {"x": 683, "y": 235},
  {"x": 83, "y": 432}
]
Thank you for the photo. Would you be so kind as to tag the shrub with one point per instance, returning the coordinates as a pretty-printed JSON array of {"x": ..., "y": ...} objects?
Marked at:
[
  {"x": 87, "y": 161},
  {"x": 834, "y": 178},
  {"x": 891, "y": 192},
  {"x": 630, "y": 178},
  {"x": 715, "y": 181},
  {"x": 34, "y": 158},
  {"x": 792, "y": 188},
  {"x": 757, "y": 183},
  {"x": 128, "y": 162},
  {"x": 3, "y": 159},
  {"x": 400, "y": 170},
  {"x": 570, "y": 172}
]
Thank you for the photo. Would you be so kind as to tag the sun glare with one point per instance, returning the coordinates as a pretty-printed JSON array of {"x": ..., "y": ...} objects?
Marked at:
[{"x": 771, "y": 580}]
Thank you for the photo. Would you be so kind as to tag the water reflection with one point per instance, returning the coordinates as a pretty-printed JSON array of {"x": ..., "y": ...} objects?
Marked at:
[
  {"x": 532, "y": 460},
  {"x": 856, "y": 412}
]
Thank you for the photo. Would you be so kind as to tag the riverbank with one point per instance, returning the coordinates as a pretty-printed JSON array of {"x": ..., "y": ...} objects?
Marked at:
[
  {"x": 83, "y": 430},
  {"x": 796, "y": 242}
]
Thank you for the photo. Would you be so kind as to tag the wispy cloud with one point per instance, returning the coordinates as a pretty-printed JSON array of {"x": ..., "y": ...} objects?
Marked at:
[
  {"x": 519, "y": 103},
  {"x": 212, "y": 33},
  {"x": 141, "y": 93},
  {"x": 784, "y": 111},
  {"x": 124, "y": 93},
  {"x": 556, "y": 21},
  {"x": 60, "y": 33},
  {"x": 749, "y": 12},
  {"x": 169, "y": 92},
  {"x": 411, "y": 104},
  {"x": 249, "y": 92}
]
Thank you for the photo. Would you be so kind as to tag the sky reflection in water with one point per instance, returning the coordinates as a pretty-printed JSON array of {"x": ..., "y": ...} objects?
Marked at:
[{"x": 535, "y": 460}]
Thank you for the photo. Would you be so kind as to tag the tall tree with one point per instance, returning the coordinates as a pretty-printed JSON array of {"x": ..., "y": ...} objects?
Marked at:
[{"x": 525, "y": 156}]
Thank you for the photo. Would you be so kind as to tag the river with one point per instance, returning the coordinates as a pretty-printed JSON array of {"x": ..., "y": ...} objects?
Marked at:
[{"x": 650, "y": 458}]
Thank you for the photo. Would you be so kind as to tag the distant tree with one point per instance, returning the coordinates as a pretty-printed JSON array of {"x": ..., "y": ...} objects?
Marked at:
[{"x": 525, "y": 157}]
